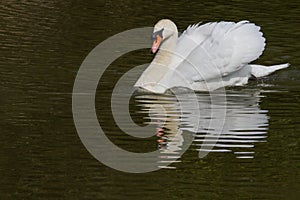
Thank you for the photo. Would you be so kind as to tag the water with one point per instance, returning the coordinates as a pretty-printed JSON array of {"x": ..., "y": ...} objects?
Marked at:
[{"x": 43, "y": 44}]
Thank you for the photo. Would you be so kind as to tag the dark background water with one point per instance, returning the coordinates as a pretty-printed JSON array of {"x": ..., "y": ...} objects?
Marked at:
[{"x": 42, "y": 45}]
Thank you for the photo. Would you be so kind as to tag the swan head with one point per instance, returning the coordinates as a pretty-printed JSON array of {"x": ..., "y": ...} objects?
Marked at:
[{"x": 163, "y": 29}]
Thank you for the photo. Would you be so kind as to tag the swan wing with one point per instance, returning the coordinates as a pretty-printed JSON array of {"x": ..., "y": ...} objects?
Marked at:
[{"x": 216, "y": 49}]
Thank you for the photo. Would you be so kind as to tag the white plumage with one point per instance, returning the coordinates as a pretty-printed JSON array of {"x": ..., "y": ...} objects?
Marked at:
[{"x": 205, "y": 57}]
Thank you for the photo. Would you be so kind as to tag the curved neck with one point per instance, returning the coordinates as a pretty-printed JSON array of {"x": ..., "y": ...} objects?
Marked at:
[
  {"x": 159, "y": 67},
  {"x": 165, "y": 53}
]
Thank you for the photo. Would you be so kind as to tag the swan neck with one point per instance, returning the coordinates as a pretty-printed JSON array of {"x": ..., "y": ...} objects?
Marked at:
[{"x": 164, "y": 55}]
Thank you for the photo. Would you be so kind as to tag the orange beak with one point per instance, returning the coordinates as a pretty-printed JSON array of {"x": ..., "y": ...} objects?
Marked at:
[{"x": 156, "y": 44}]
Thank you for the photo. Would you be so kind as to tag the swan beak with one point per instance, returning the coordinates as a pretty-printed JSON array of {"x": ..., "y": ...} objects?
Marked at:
[{"x": 156, "y": 44}]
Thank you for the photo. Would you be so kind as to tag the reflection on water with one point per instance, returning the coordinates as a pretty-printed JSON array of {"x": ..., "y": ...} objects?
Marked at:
[
  {"x": 244, "y": 125},
  {"x": 166, "y": 115}
]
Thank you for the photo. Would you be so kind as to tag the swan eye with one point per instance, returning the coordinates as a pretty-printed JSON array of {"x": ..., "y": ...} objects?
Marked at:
[{"x": 155, "y": 34}]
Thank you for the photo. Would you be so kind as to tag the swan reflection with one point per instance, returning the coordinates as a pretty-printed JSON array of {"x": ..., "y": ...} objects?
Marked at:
[{"x": 244, "y": 125}]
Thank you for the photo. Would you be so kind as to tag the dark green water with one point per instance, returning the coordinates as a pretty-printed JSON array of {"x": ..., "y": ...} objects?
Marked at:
[{"x": 42, "y": 45}]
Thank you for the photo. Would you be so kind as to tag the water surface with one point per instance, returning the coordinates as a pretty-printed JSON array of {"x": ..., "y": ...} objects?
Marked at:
[{"x": 43, "y": 44}]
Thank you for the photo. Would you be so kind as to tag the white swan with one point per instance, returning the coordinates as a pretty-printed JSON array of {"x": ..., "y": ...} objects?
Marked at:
[{"x": 205, "y": 57}]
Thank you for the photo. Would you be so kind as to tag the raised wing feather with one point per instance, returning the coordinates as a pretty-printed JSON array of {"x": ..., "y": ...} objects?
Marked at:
[{"x": 213, "y": 50}]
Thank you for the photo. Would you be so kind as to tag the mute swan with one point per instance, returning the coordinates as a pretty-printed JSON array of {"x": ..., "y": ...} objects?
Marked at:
[{"x": 205, "y": 57}]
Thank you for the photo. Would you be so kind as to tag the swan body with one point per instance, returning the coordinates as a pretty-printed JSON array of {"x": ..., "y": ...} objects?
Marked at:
[{"x": 205, "y": 57}]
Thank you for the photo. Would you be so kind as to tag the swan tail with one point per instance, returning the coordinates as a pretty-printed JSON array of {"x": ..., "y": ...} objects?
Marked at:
[{"x": 260, "y": 70}]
